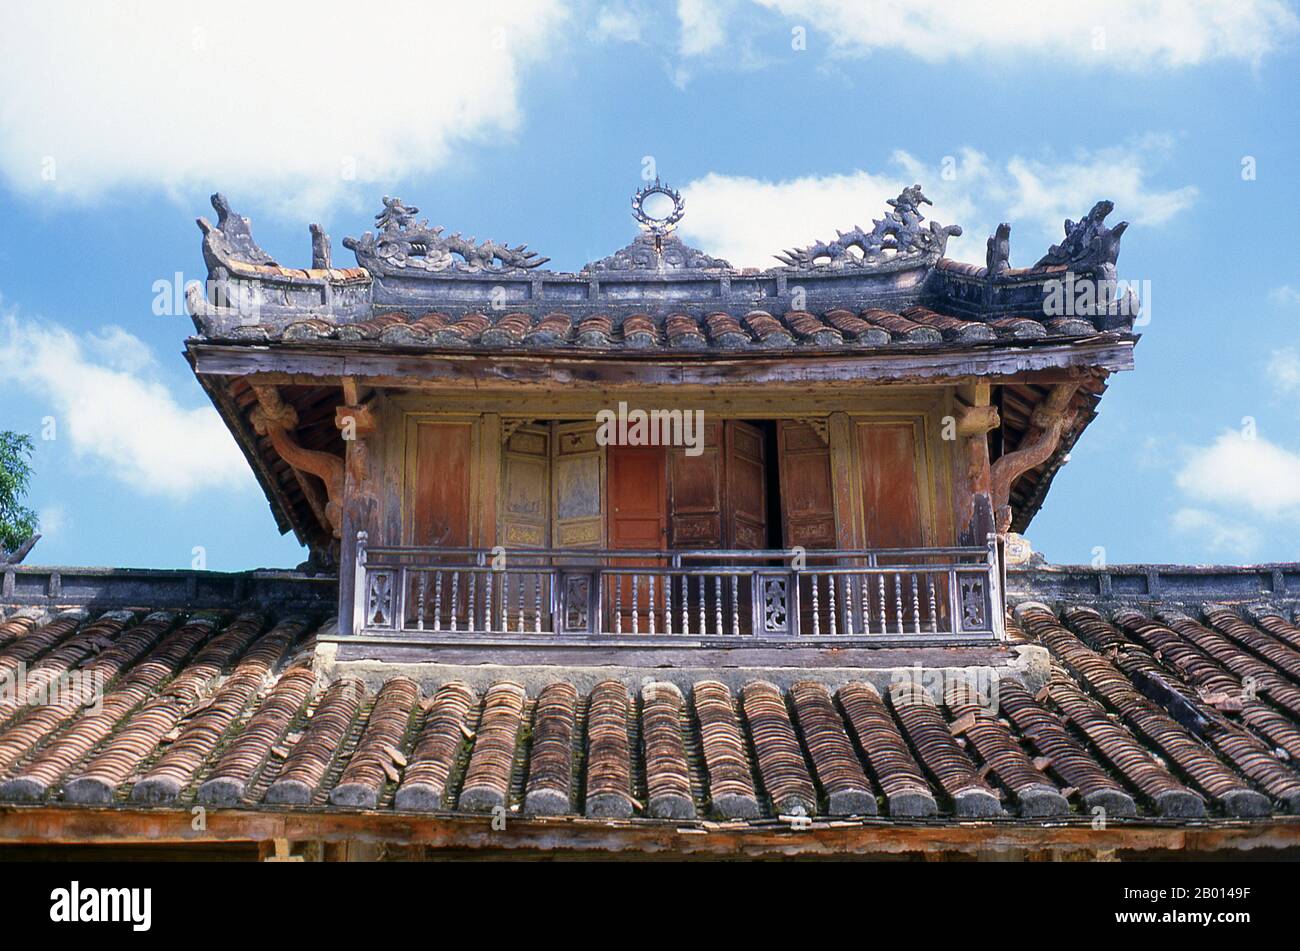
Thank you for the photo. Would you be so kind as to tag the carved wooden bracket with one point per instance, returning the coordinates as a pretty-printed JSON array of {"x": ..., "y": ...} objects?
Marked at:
[
  {"x": 508, "y": 426},
  {"x": 973, "y": 422},
  {"x": 1049, "y": 421},
  {"x": 275, "y": 419},
  {"x": 357, "y": 424},
  {"x": 819, "y": 425}
]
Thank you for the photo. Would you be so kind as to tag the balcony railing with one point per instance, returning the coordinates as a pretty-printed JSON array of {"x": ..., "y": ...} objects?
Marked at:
[{"x": 701, "y": 598}]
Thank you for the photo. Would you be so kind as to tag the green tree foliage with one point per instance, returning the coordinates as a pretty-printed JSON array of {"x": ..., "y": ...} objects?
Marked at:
[{"x": 17, "y": 522}]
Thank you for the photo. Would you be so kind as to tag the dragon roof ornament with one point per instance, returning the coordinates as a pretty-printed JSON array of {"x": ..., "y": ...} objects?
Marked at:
[
  {"x": 405, "y": 245},
  {"x": 230, "y": 239},
  {"x": 1089, "y": 245},
  {"x": 896, "y": 238}
]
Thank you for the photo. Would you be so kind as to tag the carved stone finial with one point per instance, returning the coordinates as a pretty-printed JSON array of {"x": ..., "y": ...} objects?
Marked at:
[
  {"x": 650, "y": 223},
  {"x": 998, "y": 256},
  {"x": 404, "y": 245},
  {"x": 657, "y": 248},
  {"x": 320, "y": 248},
  {"x": 1089, "y": 245},
  {"x": 898, "y": 236},
  {"x": 231, "y": 239}
]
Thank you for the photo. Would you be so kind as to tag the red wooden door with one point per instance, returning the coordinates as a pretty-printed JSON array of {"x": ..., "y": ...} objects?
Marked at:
[
  {"x": 439, "y": 512},
  {"x": 637, "y": 495},
  {"x": 891, "y": 502},
  {"x": 891, "y": 513}
]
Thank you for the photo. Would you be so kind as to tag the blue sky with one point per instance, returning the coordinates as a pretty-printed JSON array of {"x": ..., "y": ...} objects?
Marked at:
[{"x": 533, "y": 123}]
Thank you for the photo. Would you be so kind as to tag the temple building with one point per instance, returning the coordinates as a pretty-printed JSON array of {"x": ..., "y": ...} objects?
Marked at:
[{"x": 662, "y": 555}]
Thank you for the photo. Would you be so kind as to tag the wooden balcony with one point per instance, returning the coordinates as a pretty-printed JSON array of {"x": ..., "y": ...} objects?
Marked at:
[{"x": 729, "y": 599}]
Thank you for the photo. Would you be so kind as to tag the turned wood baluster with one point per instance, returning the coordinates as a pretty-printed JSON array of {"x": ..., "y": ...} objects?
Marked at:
[
  {"x": 934, "y": 605},
  {"x": 864, "y": 588},
  {"x": 487, "y": 601},
  {"x": 651, "y": 579},
  {"x": 636, "y": 621},
  {"x": 471, "y": 606},
  {"x": 916, "y": 605},
  {"x": 817, "y": 622},
  {"x": 422, "y": 583},
  {"x": 537, "y": 603},
  {"x": 898, "y": 599},
  {"x": 884, "y": 612},
  {"x": 505, "y": 602},
  {"x": 437, "y": 601},
  {"x": 523, "y": 583},
  {"x": 704, "y": 597},
  {"x": 735, "y": 605},
  {"x": 717, "y": 604},
  {"x": 618, "y": 604},
  {"x": 455, "y": 598},
  {"x": 830, "y": 596},
  {"x": 668, "y": 604},
  {"x": 848, "y": 604}
]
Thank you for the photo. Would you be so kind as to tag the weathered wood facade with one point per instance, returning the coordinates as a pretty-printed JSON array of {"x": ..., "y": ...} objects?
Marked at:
[{"x": 659, "y": 448}]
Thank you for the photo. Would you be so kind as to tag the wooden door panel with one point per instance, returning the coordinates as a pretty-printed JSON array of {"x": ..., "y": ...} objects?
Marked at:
[
  {"x": 891, "y": 500},
  {"x": 807, "y": 495},
  {"x": 696, "y": 519},
  {"x": 746, "y": 487},
  {"x": 578, "y": 486},
  {"x": 438, "y": 509},
  {"x": 439, "y": 475},
  {"x": 637, "y": 494},
  {"x": 637, "y": 497},
  {"x": 525, "y": 507}
]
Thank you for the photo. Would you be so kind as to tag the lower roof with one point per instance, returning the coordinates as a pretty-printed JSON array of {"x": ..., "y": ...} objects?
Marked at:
[{"x": 1166, "y": 718}]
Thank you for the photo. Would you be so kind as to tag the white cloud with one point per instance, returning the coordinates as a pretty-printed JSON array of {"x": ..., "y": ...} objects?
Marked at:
[
  {"x": 703, "y": 25},
  {"x": 282, "y": 100},
  {"x": 1286, "y": 295},
  {"x": 747, "y": 220},
  {"x": 106, "y": 398},
  {"x": 1248, "y": 473},
  {"x": 618, "y": 23},
  {"x": 1284, "y": 372},
  {"x": 1109, "y": 34},
  {"x": 53, "y": 522},
  {"x": 1215, "y": 533}
]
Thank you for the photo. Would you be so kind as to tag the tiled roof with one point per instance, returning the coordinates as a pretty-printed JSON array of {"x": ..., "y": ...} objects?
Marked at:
[
  {"x": 757, "y": 330},
  {"x": 1160, "y": 716}
]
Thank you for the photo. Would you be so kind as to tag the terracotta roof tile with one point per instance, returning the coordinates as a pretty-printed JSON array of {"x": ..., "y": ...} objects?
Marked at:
[{"x": 1144, "y": 715}]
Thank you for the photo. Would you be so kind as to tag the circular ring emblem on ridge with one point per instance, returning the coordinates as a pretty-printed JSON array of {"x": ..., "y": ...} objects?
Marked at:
[{"x": 658, "y": 225}]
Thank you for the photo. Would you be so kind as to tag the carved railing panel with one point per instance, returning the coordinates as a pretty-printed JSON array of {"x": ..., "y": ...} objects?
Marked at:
[{"x": 727, "y": 598}]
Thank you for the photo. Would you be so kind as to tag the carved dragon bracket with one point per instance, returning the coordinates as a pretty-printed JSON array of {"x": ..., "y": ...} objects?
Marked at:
[
  {"x": 1050, "y": 419},
  {"x": 276, "y": 419}
]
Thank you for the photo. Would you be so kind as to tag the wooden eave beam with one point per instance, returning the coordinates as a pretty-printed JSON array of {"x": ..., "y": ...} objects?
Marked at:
[
  {"x": 308, "y": 364},
  {"x": 60, "y": 825}
]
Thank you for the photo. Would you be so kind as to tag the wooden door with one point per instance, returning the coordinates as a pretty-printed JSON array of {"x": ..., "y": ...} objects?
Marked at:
[
  {"x": 438, "y": 512},
  {"x": 891, "y": 500},
  {"x": 440, "y": 473},
  {"x": 807, "y": 499},
  {"x": 522, "y": 599},
  {"x": 578, "y": 516},
  {"x": 746, "y": 487},
  {"x": 695, "y": 482},
  {"x": 637, "y": 494},
  {"x": 888, "y": 470},
  {"x": 807, "y": 494},
  {"x": 578, "y": 480}
]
